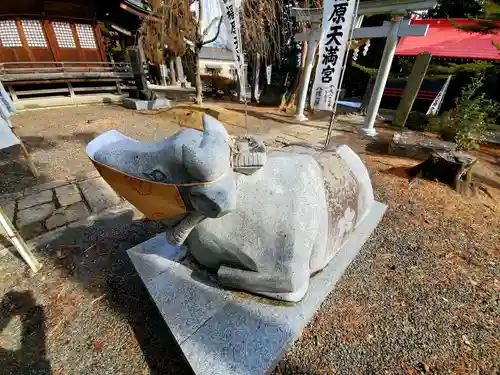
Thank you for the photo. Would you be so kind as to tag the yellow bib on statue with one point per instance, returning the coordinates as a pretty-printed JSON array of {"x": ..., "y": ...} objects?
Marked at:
[{"x": 155, "y": 200}]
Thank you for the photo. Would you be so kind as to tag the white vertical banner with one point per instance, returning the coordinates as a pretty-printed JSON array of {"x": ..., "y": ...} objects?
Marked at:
[
  {"x": 231, "y": 16},
  {"x": 338, "y": 16}
]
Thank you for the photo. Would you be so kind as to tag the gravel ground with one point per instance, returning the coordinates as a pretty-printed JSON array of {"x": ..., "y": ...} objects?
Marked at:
[{"x": 422, "y": 296}]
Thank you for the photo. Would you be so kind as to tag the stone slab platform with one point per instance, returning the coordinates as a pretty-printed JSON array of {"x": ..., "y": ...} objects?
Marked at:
[
  {"x": 145, "y": 104},
  {"x": 223, "y": 332}
]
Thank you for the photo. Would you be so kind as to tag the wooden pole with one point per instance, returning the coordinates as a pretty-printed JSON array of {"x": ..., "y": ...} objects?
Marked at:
[
  {"x": 18, "y": 242},
  {"x": 31, "y": 165}
]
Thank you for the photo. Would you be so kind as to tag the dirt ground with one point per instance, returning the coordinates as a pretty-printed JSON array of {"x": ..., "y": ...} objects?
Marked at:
[
  {"x": 421, "y": 298},
  {"x": 56, "y": 138}
]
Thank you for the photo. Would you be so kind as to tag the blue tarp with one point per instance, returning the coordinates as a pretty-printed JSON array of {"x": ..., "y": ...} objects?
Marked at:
[{"x": 7, "y": 108}]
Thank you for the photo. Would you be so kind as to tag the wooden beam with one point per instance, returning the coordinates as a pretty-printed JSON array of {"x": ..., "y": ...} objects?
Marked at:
[
  {"x": 99, "y": 40},
  {"x": 51, "y": 38},
  {"x": 79, "y": 50},
  {"x": 24, "y": 41},
  {"x": 12, "y": 93}
]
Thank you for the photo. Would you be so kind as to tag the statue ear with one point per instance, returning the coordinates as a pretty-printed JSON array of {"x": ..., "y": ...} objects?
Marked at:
[
  {"x": 211, "y": 158},
  {"x": 213, "y": 127},
  {"x": 208, "y": 161}
]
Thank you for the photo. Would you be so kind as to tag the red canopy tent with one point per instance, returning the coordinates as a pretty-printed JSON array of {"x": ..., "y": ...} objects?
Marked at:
[{"x": 445, "y": 40}]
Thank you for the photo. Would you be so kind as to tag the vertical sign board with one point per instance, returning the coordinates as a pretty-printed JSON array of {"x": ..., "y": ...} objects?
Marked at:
[
  {"x": 338, "y": 16},
  {"x": 231, "y": 16}
]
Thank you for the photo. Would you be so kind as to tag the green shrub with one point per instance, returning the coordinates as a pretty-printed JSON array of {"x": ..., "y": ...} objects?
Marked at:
[{"x": 468, "y": 122}]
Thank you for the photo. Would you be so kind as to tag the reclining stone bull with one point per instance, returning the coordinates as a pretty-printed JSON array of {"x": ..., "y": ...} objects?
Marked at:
[{"x": 266, "y": 232}]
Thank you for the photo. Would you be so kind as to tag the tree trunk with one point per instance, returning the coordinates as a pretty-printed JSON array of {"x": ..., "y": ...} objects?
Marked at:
[
  {"x": 171, "y": 70},
  {"x": 451, "y": 168},
  {"x": 198, "y": 83},
  {"x": 197, "y": 49},
  {"x": 256, "y": 79},
  {"x": 179, "y": 70},
  {"x": 293, "y": 92},
  {"x": 292, "y": 97}
]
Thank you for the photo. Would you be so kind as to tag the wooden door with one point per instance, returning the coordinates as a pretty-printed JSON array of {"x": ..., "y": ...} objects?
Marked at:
[
  {"x": 77, "y": 42},
  {"x": 35, "y": 40},
  {"x": 11, "y": 45},
  {"x": 87, "y": 42},
  {"x": 65, "y": 39}
]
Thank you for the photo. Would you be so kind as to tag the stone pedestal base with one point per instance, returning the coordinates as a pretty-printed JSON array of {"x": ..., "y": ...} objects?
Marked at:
[
  {"x": 417, "y": 145},
  {"x": 145, "y": 104},
  {"x": 371, "y": 132},
  {"x": 228, "y": 332},
  {"x": 300, "y": 117}
]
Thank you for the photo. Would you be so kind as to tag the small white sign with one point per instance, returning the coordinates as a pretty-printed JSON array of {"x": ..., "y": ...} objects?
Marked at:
[{"x": 338, "y": 17}]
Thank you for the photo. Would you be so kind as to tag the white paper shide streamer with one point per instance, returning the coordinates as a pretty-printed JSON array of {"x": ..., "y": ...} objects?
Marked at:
[
  {"x": 231, "y": 16},
  {"x": 338, "y": 16},
  {"x": 269, "y": 70}
]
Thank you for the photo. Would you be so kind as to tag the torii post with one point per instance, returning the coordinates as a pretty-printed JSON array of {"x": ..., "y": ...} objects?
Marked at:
[{"x": 391, "y": 30}]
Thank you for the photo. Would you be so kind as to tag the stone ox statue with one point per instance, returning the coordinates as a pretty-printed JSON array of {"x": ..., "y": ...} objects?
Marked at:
[{"x": 263, "y": 223}]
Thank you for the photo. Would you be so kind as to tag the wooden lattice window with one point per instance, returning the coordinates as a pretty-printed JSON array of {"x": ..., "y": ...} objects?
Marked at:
[
  {"x": 34, "y": 33},
  {"x": 9, "y": 35},
  {"x": 64, "y": 34},
  {"x": 85, "y": 35}
]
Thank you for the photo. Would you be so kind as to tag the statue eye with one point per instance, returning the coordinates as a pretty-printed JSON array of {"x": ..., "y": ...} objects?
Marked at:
[{"x": 156, "y": 175}]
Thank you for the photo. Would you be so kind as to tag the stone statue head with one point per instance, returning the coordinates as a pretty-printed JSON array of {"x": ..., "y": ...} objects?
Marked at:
[{"x": 189, "y": 172}]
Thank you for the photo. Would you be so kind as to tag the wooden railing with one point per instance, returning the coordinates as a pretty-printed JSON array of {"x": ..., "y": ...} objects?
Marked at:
[
  {"x": 24, "y": 72},
  {"x": 23, "y": 79}
]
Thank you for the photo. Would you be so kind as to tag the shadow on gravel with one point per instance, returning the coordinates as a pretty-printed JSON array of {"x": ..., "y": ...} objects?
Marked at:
[
  {"x": 378, "y": 146},
  {"x": 31, "y": 357},
  {"x": 94, "y": 253}
]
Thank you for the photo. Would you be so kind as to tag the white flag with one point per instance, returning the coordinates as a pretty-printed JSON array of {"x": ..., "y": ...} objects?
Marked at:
[
  {"x": 231, "y": 16},
  {"x": 338, "y": 17},
  {"x": 438, "y": 100}
]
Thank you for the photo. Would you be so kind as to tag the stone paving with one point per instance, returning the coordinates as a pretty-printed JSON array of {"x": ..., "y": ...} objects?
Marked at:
[{"x": 54, "y": 205}]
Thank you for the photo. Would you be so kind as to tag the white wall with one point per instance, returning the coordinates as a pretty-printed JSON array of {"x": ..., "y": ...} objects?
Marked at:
[{"x": 226, "y": 66}]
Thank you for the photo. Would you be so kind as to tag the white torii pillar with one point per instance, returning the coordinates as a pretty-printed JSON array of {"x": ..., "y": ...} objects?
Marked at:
[
  {"x": 392, "y": 31},
  {"x": 304, "y": 79}
]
